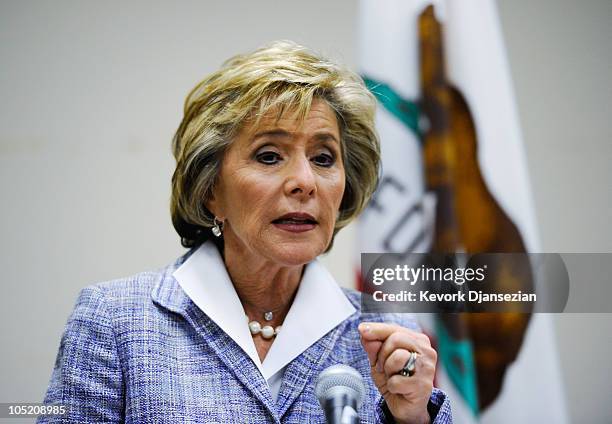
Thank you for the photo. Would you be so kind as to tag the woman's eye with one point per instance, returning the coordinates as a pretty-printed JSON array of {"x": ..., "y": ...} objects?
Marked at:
[
  {"x": 324, "y": 159},
  {"x": 268, "y": 158}
]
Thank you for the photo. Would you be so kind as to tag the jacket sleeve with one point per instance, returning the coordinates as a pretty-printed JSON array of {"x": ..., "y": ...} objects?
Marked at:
[
  {"x": 87, "y": 377},
  {"x": 438, "y": 407}
]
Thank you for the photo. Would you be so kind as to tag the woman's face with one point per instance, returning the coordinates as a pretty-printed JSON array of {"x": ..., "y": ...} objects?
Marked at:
[{"x": 280, "y": 187}]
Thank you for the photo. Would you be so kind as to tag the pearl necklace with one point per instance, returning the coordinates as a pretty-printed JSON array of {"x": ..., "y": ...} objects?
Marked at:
[{"x": 267, "y": 331}]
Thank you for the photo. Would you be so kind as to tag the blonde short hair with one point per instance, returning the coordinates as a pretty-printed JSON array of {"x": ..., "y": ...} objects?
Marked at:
[{"x": 281, "y": 76}]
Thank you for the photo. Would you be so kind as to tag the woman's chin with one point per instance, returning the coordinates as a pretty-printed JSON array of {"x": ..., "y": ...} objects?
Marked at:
[{"x": 295, "y": 253}]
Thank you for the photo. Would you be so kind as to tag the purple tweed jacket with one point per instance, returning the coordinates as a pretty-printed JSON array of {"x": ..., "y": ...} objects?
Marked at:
[{"x": 138, "y": 350}]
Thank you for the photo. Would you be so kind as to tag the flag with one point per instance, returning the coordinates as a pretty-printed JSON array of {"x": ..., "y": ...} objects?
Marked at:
[{"x": 454, "y": 177}]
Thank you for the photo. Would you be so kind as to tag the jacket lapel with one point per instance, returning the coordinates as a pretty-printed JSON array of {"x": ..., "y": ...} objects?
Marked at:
[
  {"x": 305, "y": 369},
  {"x": 169, "y": 294},
  {"x": 232, "y": 356}
]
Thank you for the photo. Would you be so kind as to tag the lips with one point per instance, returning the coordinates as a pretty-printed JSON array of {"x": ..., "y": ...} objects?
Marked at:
[
  {"x": 296, "y": 218},
  {"x": 296, "y": 222}
]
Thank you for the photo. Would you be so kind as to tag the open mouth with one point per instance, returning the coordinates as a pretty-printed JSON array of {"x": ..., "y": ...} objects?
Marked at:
[{"x": 296, "y": 222}]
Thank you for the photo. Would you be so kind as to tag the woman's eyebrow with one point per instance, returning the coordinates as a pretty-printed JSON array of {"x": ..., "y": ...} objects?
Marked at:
[
  {"x": 322, "y": 136},
  {"x": 325, "y": 136},
  {"x": 271, "y": 133}
]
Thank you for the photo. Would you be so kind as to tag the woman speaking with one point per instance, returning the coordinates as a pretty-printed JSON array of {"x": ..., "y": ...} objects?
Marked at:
[{"x": 276, "y": 153}]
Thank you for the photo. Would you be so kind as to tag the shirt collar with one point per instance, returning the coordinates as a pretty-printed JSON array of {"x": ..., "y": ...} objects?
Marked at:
[{"x": 318, "y": 307}]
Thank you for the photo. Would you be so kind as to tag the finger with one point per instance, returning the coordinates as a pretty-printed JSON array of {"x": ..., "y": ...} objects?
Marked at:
[
  {"x": 380, "y": 330},
  {"x": 371, "y": 348},
  {"x": 424, "y": 368},
  {"x": 397, "y": 340},
  {"x": 410, "y": 387},
  {"x": 396, "y": 361}
]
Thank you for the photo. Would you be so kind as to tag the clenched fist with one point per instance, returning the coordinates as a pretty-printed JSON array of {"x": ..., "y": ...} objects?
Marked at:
[{"x": 389, "y": 347}]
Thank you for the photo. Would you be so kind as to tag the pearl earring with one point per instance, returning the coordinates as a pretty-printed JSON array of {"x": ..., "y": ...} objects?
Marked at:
[{"x": 217, "y": 229}]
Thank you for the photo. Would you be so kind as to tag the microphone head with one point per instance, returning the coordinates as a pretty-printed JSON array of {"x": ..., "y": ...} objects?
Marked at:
[{"x": 340, "y": 379}]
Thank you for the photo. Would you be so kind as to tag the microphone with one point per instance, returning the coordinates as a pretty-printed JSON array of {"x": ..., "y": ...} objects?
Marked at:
[{"x": 340, "y": 391}]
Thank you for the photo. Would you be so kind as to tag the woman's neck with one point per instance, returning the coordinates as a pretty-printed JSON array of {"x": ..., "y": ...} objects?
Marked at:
[{"x": 262, "y": 285}]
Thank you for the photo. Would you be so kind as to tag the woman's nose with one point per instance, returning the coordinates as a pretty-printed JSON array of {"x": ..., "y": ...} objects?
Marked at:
[{"x": 300, "y": 178}]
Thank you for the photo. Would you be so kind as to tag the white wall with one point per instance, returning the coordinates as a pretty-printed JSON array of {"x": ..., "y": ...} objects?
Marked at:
[
  {"x": 92, "y": 93},
  {"x": 559, "y": 53}
]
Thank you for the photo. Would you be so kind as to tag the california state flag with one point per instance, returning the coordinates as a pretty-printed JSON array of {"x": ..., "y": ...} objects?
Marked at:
[{"x": 455, "y": 180}]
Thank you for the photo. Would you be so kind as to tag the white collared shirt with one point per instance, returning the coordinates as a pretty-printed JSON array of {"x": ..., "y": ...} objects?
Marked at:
[{"x": 318, "y": 307}]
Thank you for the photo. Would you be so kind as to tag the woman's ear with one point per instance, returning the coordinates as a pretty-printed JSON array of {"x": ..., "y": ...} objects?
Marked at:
[{"x": 212, "y": 204}]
